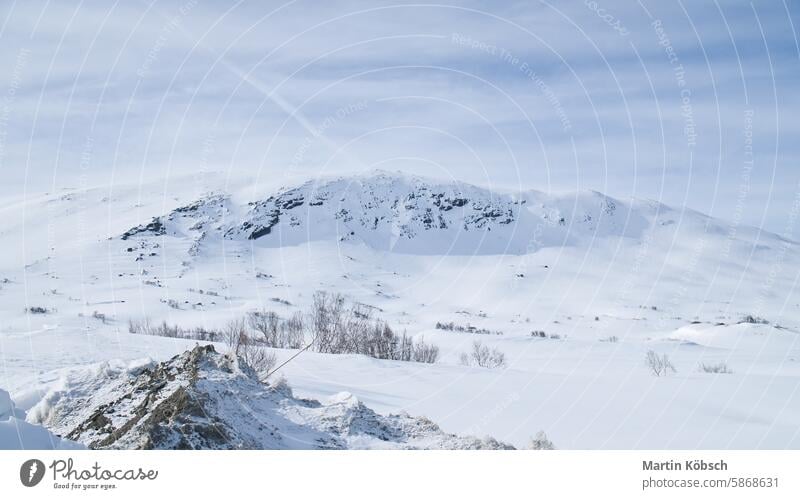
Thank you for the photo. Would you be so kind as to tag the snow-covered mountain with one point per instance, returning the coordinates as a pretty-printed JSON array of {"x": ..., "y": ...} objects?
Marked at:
[
  {"x": 414, "y": 215},
  {"x": 575, "y": 288}
]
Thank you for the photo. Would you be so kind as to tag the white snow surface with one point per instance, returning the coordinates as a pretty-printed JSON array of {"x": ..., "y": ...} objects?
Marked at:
[
  {"x": 18, "y": 434},
  {"x": 605, "y": 279}
]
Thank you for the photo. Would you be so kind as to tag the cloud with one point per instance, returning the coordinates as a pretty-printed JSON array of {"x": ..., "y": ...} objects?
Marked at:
[{"x": 594, "y": 94}]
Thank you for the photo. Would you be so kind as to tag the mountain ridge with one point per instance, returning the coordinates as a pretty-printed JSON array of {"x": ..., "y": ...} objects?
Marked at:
[{"x": 418, "y": 215}]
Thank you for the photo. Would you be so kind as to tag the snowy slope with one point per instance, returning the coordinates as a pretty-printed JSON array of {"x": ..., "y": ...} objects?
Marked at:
[{"x": 583, "y": 267}]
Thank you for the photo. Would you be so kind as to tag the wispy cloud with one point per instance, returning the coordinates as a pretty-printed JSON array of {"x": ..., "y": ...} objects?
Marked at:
[{"x": 646, "y": 99}]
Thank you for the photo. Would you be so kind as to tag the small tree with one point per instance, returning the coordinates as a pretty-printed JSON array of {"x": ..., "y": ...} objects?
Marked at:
[{"x": 659, "y": 365}]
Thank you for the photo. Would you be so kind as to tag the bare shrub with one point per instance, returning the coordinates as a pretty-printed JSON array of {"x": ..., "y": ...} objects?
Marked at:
[
  {"x": 541, "y": 442},
  {"x": 168, "y": 331},
  {"x": 37, "y": 310},
  {"x": 203, "y": 334},
  {"x": 261, "y": 360},
  {"x": 405, "y": 348},
  {"x": 245, "y": 347},
  {"x": 753, "y": 319},
  {"x": 294, "y": 331},
  {"x": 659, "y": 365},
  {"x": 341, "y": 328},
  {"x": 424, "y": 352},
  {"x": 234, "y": 335},
  {"x": 144, "y": 326},
  {"x": 99, "y": 316},
  {"x": 610, "y": 339},
  {"x": 267, "y": 325},
  {"x": 171, "y": 303},
  {"x": 326, "y": 321},
  {"x": 483, "y": 356},
  {"x": 452, "y": 326},
  {"x": 382, "y": 343},
  {"x": 721, "y": 368},
  {"x": 336, "y": 327},
  {"x": 276, "y": 332}
]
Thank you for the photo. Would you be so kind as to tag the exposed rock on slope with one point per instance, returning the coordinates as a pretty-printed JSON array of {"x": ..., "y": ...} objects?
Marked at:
[
  {"x": 404, "y": 214},
  {"x": 202, "y": 399}
]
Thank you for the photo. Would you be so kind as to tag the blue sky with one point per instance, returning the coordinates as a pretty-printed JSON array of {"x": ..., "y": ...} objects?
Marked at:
[{"x": 690, "y": 103}]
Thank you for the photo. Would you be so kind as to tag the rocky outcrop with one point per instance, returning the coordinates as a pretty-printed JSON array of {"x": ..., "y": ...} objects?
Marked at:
[{"x": 202, "y": 399}]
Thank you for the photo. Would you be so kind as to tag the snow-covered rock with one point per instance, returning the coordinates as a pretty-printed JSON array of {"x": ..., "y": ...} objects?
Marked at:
[{"x": 202, "y": 399}]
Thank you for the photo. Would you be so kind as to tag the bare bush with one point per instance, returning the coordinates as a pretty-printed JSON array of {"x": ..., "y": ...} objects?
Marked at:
[
  {"x": 326, "y": 321},
  {"x": 261, "y": 360},
  {"x": 140, "y": 326},
  {"x": 234, "y": 335},
  {"x": 171, "y": 303},
  {"x": 294, "y": 331},
  {"x": 145, "y": 327},
  {"x": 753, "y": 319},
  {"x": 424, "y": 352},
  {"x": 203, "y": 334},
  {"x": 37, "y": 310},
  {"x": 483, "y": 356},
  {"x": 659, "y": 365},
  {"x": 721, "y": 368},
  {"x": 168, "y": 331},
  {"x": 245, "y": 347},
  {"x": 452, "y": 326},
  {"x": 339, "y": 328},
  {"x": 276, "y": 332},
  {"x": 267, "y": 325},
  {"x": 541, "y": 442},
  {"x": 336, "y": 327}
]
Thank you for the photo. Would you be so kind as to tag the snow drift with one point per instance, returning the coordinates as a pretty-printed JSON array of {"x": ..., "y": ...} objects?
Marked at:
[{"x": 16, "y": 433}]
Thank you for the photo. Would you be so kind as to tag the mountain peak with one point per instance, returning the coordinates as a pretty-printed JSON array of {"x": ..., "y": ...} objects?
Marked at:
[{"x": 403, "y": 213}]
